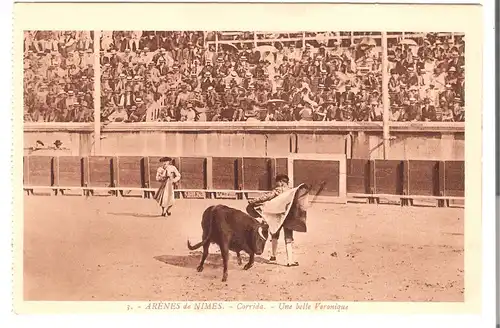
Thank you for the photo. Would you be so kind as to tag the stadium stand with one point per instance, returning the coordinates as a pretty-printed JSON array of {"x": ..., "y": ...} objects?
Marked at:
[
  {"x": 58, "y": 76},
  {"x": 167, "y": 76}
]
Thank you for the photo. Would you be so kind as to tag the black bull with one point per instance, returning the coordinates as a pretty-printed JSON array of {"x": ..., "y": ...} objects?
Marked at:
[{"x": 234, "y": 230}]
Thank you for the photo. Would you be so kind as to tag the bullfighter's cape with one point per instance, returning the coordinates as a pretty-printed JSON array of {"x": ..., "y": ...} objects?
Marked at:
[{"x": 289, "y": 210}]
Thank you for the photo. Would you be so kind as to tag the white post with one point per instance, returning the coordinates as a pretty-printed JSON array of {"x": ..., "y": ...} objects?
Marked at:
[
  {"x": 385, "y": 94},
  {"x": 255, "y": 39},
  {"x": 303, "y": 40},
  {"x": 97, "y": 93}
]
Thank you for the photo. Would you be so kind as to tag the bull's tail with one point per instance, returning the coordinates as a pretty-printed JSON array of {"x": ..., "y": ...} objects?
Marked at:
[
  {"x": 196, "y": 246},
  {"x": 207, "y": 215}
]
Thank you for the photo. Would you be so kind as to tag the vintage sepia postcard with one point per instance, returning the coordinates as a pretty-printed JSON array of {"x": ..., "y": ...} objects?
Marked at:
[{"x": 263, "y": 158}]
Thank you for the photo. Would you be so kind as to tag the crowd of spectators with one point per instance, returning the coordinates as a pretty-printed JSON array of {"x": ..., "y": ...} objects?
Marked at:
[
  {"x": 213, "y": 76},
  {"x": 428, "y": 81},
  {"x": 58, "y": 76},
  {"x": 173, "y": 76}
]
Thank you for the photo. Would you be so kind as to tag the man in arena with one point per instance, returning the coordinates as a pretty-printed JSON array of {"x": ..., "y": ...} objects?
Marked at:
[{"x": 282, "y": 185}]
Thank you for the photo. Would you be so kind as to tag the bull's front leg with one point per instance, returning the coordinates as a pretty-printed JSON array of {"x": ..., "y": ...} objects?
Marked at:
[
  {"x": 203, "y": 257},
  {"x": 238, "y": 257},
  {"x": 250, "y": 262}
]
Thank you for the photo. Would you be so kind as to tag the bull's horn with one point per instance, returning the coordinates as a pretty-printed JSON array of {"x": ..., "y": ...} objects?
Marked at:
[{"x": 259, "y": 230}]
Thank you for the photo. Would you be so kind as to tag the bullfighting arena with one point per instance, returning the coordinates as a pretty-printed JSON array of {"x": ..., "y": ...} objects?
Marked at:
[{"x": 110, "y": 248}]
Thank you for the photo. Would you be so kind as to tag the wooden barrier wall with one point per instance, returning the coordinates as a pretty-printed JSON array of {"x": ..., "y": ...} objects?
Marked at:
[
  {"x": 393, "y": 177},
  {"x": 408, "y": 177}
]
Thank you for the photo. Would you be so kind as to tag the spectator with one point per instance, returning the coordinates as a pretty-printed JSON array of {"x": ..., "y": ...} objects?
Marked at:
[
  {"x": 375, "y": 112},
  {"x": 119, "y": 115}
]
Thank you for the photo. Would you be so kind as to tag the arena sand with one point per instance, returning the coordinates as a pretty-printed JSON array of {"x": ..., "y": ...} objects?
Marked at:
[{"x": 108, "y": 248}]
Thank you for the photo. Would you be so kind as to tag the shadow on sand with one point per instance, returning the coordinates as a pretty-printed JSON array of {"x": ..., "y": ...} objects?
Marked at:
[
  {"x": 213, "y": 260},
  {"x": 424, "y": 205},
  {"x": 137, "y": 215}
]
